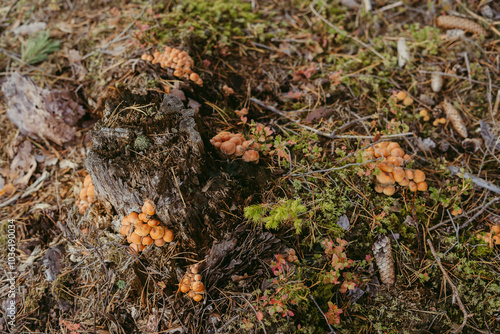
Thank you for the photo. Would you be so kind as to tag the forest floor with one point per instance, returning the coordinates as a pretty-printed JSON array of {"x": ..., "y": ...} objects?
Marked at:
[{"x": 322, "y": 88}]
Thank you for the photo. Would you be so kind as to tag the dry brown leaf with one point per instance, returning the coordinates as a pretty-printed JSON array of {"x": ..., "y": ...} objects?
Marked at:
[
  {"x": 456, "y": 120},
  {"x": 454, "y": 22}
]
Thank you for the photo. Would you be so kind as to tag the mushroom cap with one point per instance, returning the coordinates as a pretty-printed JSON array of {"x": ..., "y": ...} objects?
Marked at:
[
  {"x": 382, "y": 151},
  {"x": 142, "y": 229},
  {"x": 385, "y": 167},
  {"x": 184, "y": 288},
  {"x": 228, "y": 147},
  {"x": 251, "y": 156},
  {"x": 385, "y": 178},
  {"x": 197, "y": 298},
  {"x": 157, "y": 232},
  {"x": 168, "y": 236},
  {"x": 401, "y": 95},
  {"x": 404, "y": 182},
  {"x": 236, "y": 140},
  {"x": 133, "y": 217},
  {"x": 87, "y": 181},
  {"x": 143, "y": 217},
  {"x": 392, "y": 145},
  {"x": 495, "y": 229},
  {"x": 186, "y": 281},
  {"x": 124, "y": 229},
  {"x": 198, "y": 286},
  {"x": 125, "y": 221},
  {"x": 395, "y": 161},
  {"x": 159, "y": 242},
  {"x": 379, "y": 188},
  {"x": 147, "y": 240},
  {"x": 83, "y": 194},
  {"x": 153, "y": 222},
  {"x": 135, "y": 238},
  {"x": 408, "y": 101},
  {"x": 194, "y": 77},
  {"x": 197, "y": 277},
  {"x": 422, "y": 186},
  {"x": 389, "y": 191},
  {"x": 412, "y": 186},
  {"x": 398, "y": 152},
  {"x": 239, "y": 151},
  {"x": 134, "y": 249},
  {"x": 382, "y": 144},
  {"x": 291, "y": 251},
  {"x": 419, "y": 176},
  {"x": 409, "y": 174},
  {"x": 192, "y": 294},
  {"x": 407, "y": 158},
  {"x": 194, "y": 268},
  {"x": 496, "y": 239},
  {"x": 399, "y": 174},
  {"x": 149, "y": 207}
]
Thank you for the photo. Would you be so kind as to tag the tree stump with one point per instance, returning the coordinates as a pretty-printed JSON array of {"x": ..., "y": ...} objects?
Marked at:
[{"x": 146, "y": 147}]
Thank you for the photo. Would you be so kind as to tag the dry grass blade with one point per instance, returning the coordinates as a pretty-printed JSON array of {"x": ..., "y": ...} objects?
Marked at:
[
  {"x": 455, "y": 118},
  {"x": 454, "y": 22}
]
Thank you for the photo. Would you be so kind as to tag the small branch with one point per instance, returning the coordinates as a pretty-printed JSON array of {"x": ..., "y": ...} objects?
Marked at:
[
  {"x": 476, "y": 180},
  {"x": 453, "y": 288}
]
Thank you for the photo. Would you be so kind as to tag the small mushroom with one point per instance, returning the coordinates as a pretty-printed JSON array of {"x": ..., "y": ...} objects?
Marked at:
[
  {"x": 251, "y": 156},
  {"x": 419, "y": 176},
  {"x": 149, "y": 207},
  {"x": 399, "y": 174},
  {"x": 389, "y": 191},
  {"x": 397, "y": 152},
  {"x": 422, "y": 186},
  {"x": 168, "y": 236},
  {"x": 413, "y": 186},
  {"x": 159, "y": 242},
  {"x": 385, "y": 178},
  {"x": 392, "y": 145},
  {"x": 147, "y": 240},
  {"x": 385, "y": 167},
  {"x": 142, "y": 229},
  {"x": 197, "y": 298},
  {"x": 124, "y": 229},
  {"x": 401, "y": 95},
  {"x": 135, "y": 238},
  {"x": 157, "y": 232}
]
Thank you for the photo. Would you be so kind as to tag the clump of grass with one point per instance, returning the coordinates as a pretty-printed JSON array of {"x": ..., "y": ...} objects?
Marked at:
[{"x": 38, "y": 48}]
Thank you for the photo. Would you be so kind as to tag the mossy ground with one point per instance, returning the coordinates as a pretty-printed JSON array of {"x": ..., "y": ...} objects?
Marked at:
[{"x": 294, "y": 56}]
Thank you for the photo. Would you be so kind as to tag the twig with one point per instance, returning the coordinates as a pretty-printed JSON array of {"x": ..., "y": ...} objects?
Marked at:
[
  {"x": 177, "y": 185},
  {"x": 342, "y": 32},
  {"x": 476, "y": 180},
  {"x": 319, "y": 308},
  {"x": 453, "y": 288},
  {"x": 483, "y": 208}
]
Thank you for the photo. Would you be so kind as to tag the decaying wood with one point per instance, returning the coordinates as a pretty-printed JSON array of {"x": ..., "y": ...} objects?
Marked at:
[
  {"x": 171, "y": 168},
  {"x": 456, "y": 120},
  {"x": 454, "y": 22},
  {"x": 382, "y": 252}
]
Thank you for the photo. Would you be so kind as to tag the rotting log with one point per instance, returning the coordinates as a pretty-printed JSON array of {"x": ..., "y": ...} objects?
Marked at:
[{"x": 146, "y": 147}]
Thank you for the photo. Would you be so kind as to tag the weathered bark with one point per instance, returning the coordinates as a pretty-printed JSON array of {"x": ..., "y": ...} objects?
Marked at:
[{"x": 170, "y": 170}]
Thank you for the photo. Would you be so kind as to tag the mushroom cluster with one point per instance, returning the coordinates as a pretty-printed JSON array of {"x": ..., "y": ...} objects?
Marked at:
[
  {"x": 291, "y": 256},
  {"x": 191, "y": 283},
  {"x": 402, "y": 96},
  {"x": 142, "y": 230},
  {"x": 234, "y": 145},
  {"x": 392, "y": 169},
  {"x": 493, "y": 237},
  {"x": 87, "y": 195},
  {"x": 178, "y": 60}
]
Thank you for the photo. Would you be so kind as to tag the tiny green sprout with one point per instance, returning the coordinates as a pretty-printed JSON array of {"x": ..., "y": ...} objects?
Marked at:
[
  {"x": 121, "y": 284},
  {"x": 141, "y": 143},
  {"x": 424, "y": 277}
]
